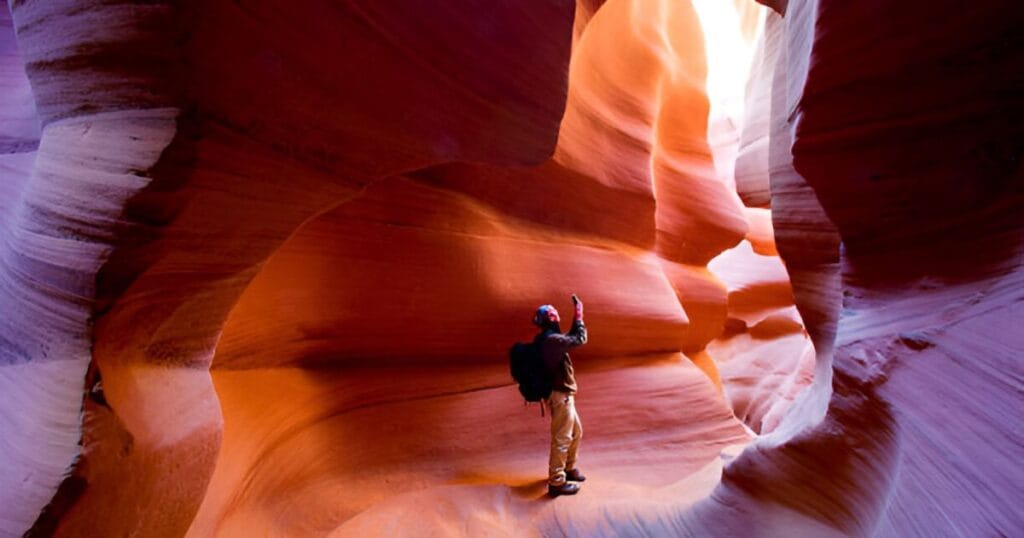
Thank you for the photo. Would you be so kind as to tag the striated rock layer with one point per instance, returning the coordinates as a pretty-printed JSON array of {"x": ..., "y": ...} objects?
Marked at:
[
  {"x": 150, "y": 112},
  {"x": 440, "y": 269},
  {"x": 908, "y": 152},
  {"x": 928, "y": 205},
  {"x": 260, "y": 266}
]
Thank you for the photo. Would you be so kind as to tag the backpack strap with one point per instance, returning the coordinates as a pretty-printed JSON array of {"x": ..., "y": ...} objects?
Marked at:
[{"x": 526, "y": 403}]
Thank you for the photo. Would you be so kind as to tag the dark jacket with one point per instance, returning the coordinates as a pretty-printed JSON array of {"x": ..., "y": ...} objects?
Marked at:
[{"x": 554, "y": 348}]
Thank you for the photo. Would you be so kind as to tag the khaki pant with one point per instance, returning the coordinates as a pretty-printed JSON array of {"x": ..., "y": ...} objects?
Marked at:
[{"x": 566, "y": 432}]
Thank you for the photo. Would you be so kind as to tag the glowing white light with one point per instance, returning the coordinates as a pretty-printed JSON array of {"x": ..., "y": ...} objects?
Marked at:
[{"x": 729, "y": 54}]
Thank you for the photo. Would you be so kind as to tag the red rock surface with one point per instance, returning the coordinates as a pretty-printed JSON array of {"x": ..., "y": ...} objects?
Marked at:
[{"x": 291, "y": 247}]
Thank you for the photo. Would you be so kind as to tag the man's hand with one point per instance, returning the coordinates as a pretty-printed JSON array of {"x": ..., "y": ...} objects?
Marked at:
[{"x": 579, "y": 307}]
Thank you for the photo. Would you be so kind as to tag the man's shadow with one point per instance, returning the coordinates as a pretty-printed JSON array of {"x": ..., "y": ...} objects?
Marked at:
[{"x": 536, "y": 490}]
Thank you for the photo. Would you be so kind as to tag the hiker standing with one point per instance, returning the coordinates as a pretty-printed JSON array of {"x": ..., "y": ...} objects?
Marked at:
[{"x": 566, "y": 431}]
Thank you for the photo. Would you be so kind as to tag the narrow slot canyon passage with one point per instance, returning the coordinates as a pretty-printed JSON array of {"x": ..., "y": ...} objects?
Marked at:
[
  {"x": 261, "y": 266},
  {"x": 363, "y": 373}
]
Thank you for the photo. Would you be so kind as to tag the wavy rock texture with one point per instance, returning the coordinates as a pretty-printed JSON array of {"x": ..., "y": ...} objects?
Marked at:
[
  {"x": 928, "y": 207},
  {"x": 198, "y": 189},
  {"x": 295, "y": 245},
  {"x": 155, "y": 111},
  {"x": 198, "y": 199},
  {"x": 764, "y": 357},
  {"x": 469, "y": 251},
  {"x": 909, "y": 154},
  {"x": 53, "y": 242}
]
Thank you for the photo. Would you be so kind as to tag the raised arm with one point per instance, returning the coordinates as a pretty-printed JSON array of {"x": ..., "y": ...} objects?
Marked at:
[{"x": 577, "y": 335}]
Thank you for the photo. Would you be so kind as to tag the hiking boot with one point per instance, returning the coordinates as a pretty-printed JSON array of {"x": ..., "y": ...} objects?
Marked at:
[
  {"x": 574, "y": 475},
  {"x": 568, "y": 488}
]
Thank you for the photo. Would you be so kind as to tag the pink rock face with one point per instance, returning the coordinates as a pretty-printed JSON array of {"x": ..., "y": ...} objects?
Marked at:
[
  {"x": 764, "y": 356},
  {"x": 260, "y": 267},
  {"x": 928, "y": 207},
  {"x": 930, "y": 275},
  {"x": 46, "y": 268}
]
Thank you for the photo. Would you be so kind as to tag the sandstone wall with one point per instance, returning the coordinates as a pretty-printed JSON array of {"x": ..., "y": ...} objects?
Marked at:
[
  {"x": 259, "y": 267},
  {"x": 908, "y": 153}
]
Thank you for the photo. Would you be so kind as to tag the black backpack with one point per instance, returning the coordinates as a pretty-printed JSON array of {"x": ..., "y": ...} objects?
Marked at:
[{"x": 527, "y": 367}]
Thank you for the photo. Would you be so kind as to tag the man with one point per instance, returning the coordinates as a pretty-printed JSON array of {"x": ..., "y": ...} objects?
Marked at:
[{"x": 563, "y": 475}]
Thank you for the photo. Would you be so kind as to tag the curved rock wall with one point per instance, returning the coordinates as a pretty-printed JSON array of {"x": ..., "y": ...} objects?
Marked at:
[
  {"x": 294, "y": 245},
  {"x": 914, "y": 153},
  {"x": 66, "y": 170},
  {"x": 28, "y": 483},
  {"x": 401, "y": 304},
  {"x": 197, "y": 199},
  {"x": 908, "y": 153}
]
